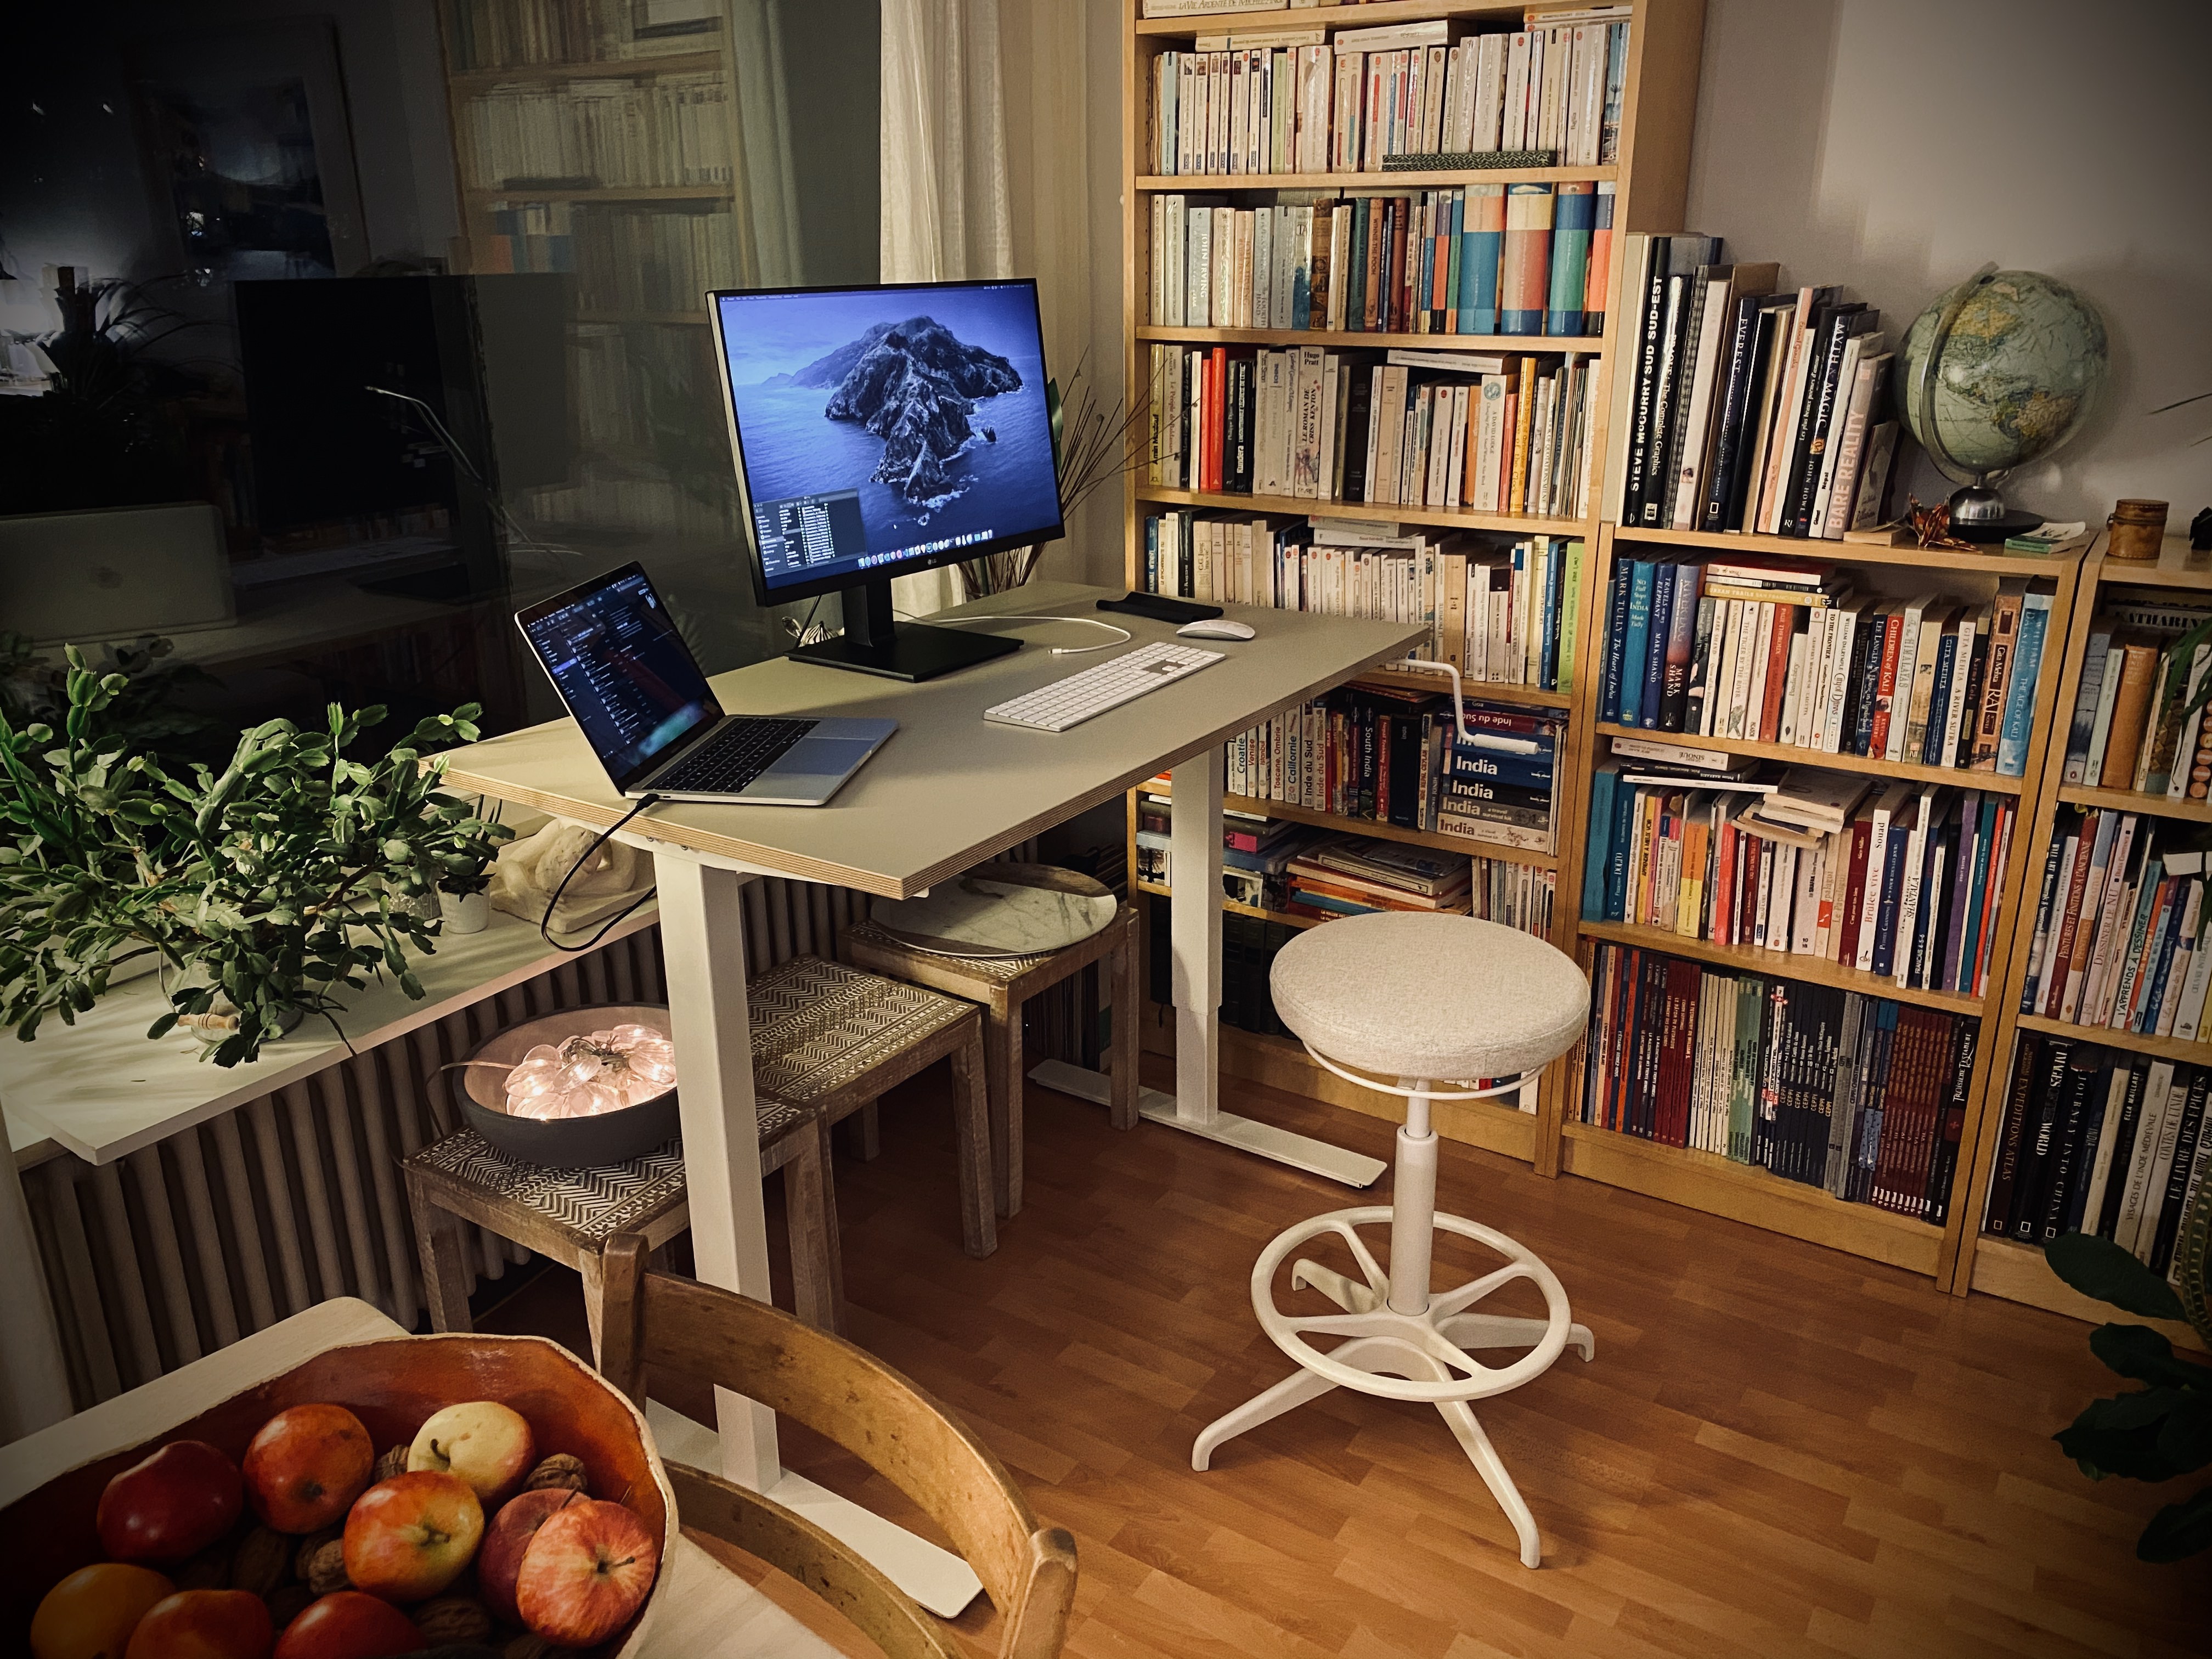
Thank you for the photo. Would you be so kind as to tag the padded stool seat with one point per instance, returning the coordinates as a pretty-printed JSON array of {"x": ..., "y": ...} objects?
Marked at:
[
  {"x": 1430, "y": 996},
  {"x": 1429, "y": 1000}
]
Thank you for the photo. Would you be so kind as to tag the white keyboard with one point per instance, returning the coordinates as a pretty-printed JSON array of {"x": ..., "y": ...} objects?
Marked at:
[{"x": 1070, "y": 702}]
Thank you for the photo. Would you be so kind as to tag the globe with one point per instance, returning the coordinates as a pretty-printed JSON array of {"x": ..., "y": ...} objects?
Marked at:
[{"x": 1997, "y": 372}]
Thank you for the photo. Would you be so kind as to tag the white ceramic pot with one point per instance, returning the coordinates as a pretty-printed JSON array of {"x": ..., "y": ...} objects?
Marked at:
[{"x": 466, "y": 913}]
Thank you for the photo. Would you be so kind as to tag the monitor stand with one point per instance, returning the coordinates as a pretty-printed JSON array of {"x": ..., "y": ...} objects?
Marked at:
[{"x": 873, "y": 644}]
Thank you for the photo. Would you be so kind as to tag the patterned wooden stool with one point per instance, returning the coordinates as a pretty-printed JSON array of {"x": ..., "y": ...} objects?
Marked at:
[
  {"x": 569, "y": 1215},
  {"x": 829, "y": 1038},
  {"x": 1002, "y": 985}
]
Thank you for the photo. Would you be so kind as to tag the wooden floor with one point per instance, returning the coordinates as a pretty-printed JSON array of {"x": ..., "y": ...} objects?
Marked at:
[{"x": 1778, "y": 1449}]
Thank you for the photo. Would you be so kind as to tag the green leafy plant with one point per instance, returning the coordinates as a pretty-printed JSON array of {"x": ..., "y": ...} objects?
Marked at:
[
  {"x": 2164, "y": 1428},
  {"x": 283, "y": 879}
]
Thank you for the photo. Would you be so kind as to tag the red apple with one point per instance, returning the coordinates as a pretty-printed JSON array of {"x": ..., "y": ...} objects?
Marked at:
[
  {"x": 409, "y": 1537},
  {"x": 348, "y": 1624},
  {"x": 306, "y": 1466},
  {"x": 204, "y": 1624},
  {"x": 506, "y": 1539},
  {"x": 174, "y": 1505},
  {"x": 587, "y": 1572},
  {"x": 487, "y": 1445}
]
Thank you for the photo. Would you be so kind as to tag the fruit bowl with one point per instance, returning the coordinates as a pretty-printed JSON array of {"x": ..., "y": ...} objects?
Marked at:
[
  {"x": 394, "y": 1386},
  {"x": 565, "y": 1143}
]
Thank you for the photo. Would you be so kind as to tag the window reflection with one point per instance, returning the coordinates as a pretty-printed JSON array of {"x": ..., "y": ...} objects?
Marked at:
[{"x": 331, "y": 334}]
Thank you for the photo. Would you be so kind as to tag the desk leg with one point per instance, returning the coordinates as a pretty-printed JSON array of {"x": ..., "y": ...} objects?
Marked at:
[
  {"x": 702, "y": 931},
  {"x": 34, "y": 1381},
  {"x": 1194, "y": 859}
]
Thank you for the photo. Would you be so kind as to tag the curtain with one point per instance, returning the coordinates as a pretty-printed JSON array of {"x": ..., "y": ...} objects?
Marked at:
[
  {"x": 767, "y": 193},
  {"x": 944, "y": 216}
]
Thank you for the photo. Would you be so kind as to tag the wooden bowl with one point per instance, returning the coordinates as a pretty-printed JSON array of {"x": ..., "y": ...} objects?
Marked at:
[{"x": 393, "y": 1387}]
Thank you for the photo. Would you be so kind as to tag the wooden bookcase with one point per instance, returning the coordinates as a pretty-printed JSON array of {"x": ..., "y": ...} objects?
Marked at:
[
  {"x": 1658, "y": 109},
  {"x": 2000, "y": 1266},
  {"x": 1705, "y": 1180}
]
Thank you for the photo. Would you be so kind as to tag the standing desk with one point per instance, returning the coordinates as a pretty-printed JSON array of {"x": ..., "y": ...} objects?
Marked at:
[{"x": 947, "y": 792}]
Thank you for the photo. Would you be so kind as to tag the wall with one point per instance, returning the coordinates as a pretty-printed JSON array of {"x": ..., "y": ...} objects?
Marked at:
[{"x": 1895, "y": 146}]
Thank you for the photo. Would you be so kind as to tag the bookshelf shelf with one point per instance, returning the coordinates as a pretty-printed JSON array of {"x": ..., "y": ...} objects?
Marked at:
[
  {"x": 2176, "y": 566},
  {"x": 1378, "y": 511},
  {"x": 1820, "y": 758},
  {"x": 1429, "y": 838},
  {"x": 674, "y": 319},
  {"x": 1589, "y": 344},
  {"x": 2018, "y": 1273},
  {"x": 1658, "y": 108},
  {"x": 1778, "y": 964},
  {"x": 525, "y": 192},
  {"x": 1235, "y": 907},
  {"x": 2189, "y": 1051},
  {"x": 1707, "y": 1182},
  {"x": 1822, "y": 552},
  {"x": 2128, "y": 800},
  {"x": 1356, "y": 184},
  {"x": 1373, "y": 12},
  {"x": 1483, "y": 691},
  {"x": 609, "y": 69}
]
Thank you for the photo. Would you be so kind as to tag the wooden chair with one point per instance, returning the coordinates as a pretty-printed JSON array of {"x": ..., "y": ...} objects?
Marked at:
[
  {"x": 1003, "y": 985},
  {"x": 660, "y": 1321}
]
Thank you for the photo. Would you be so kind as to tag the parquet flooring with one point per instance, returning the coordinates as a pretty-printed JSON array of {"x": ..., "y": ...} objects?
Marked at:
[{"x": 1779, "y": 1450}]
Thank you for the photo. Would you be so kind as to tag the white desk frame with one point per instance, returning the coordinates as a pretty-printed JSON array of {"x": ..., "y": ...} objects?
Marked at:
[{"x": 702, "y": 937}]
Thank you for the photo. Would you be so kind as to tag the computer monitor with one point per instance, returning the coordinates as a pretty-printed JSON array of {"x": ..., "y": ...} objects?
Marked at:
[{"x": 881, "y": 431}]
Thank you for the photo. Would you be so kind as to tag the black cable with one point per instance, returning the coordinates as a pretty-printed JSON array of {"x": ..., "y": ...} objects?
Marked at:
[{"x": 598, "y": 841}]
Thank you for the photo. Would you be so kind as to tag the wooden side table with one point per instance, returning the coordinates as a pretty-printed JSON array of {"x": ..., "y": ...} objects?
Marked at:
[
  {"x": 569, "y": 1215},
  {"x": 1002, "y": 985}
]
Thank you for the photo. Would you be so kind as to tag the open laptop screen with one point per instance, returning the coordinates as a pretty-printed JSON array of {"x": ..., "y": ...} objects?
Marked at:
[{"x": 616, "y": 658}]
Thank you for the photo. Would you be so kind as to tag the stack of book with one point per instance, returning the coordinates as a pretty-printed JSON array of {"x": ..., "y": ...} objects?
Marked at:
[
  {"x": 1249, "y": 945},
  {"x": 2098, "y": 1142},
  {"x": 1513, "y": 894},
  {"x": 1352, "y": 876},
  {"x": 503, "y": 33},
  {"x": 1499, "y": 613},
  {"x": 1852, "y": 1093},
  {"x": 639, "y": 258},
  {"x": 1793, "y": 654},
  {"x": 1743, "y": 409},
  {"x": 673, "y": 130},
  {"x": 1311, "y": 101},
  {"x": 2119, "y": 926},
  {"x": 1255, "y": 851},
  {"x": 1477, "y": 259},
  {"x": 1904, "y": 881},
  {"x": 2133, "y": 725},
  {"x": 1390, "y": 755},
  {"x": 1414, "y": 429}
]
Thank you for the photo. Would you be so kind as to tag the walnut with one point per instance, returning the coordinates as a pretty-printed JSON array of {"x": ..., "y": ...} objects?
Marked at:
[
  {"x": 452, "y": 1621},
  {"x": 286, "y": 1603},
  {"x": 209, "y": 1569},
  {"x": 559, "y": 1471},
  {"x": 263, "y": 1562},
  {"x": 392, "y": 1462},
  {"x": 326, "y": 1570},
  {"x": 310, "y": 1547}
]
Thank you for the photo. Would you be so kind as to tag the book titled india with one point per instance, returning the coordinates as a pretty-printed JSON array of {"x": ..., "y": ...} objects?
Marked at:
[
  {"x": 1523, "y": 279},
  {"x": 1482, "y": 248},
  {"x": 1573, "y": 213},
  {"x": 1596, "y": 290}
]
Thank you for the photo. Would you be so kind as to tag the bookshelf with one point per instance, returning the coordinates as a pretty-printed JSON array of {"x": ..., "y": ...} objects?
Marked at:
[
  {"x": 1657, "y": 111},
  {"x": 1706, "y": 1180},
  {"x": 1976, "y": 1260},
  {"x": 613, "y": 158}
]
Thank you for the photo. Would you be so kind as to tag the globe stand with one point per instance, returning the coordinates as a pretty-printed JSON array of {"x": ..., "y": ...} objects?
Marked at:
[{"x": 1978, "y": 514}]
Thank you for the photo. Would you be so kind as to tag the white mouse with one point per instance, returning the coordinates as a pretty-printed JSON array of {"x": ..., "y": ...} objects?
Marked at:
[{"x": 1215, "y": 628}]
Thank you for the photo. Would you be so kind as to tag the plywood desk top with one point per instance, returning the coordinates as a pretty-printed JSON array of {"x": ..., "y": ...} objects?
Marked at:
[{"x": 950, "y": 790}]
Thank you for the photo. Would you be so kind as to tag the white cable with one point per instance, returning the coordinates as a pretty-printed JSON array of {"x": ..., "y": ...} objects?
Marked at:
[{"x": 1009, "y": 615}]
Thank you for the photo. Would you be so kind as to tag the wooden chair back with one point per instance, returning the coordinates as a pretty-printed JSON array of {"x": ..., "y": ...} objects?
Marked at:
[{"x": 849, "y": 1396}]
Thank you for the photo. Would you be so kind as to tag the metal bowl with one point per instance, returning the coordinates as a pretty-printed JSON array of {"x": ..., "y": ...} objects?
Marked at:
[{"x": 565, "y": 1143}]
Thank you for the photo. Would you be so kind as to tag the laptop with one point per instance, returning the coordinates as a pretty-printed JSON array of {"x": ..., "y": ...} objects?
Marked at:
[{"x": 613, "y": 653}]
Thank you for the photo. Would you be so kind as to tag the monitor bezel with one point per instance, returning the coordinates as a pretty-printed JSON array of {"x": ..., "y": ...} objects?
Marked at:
[
  {"x": 790, "y": 592},
  {"x": 652, "y": 763}
]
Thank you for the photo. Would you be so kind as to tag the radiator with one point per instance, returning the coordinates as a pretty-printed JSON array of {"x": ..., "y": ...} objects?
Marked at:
[{"x": 186, "y": 1246}]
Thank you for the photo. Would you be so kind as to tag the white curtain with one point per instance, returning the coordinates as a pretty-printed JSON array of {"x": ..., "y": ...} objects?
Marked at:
[
  {"x": 944, "y": 215},
  {"x": 769, "y": 194}
]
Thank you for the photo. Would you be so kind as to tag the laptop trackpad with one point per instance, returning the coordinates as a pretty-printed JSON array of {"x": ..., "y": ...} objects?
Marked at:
[{"x": 820, "y": 758}]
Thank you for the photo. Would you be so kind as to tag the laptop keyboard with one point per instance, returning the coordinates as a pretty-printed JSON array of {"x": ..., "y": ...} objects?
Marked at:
[{"x": 733, "y": 757}]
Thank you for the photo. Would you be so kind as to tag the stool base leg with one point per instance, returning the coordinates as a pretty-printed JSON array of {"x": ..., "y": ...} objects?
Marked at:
[{"x": 1476, "y": 1445}]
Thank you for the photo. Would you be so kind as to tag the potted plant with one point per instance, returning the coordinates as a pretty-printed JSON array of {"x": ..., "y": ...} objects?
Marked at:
[
  {"x": 464, "y": 904},
  {"x": 265, "y": 889}
]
